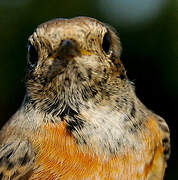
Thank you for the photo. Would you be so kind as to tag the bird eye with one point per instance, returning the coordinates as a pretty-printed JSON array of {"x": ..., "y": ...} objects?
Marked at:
[
  {"x": 32, "y": 54},
  {"x": 106, "y": 42}
]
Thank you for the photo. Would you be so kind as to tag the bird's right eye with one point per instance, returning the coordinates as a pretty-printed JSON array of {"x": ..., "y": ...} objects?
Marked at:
[
  {"x": 32, "y": 54},
  {"x": 106, "y": 43}
]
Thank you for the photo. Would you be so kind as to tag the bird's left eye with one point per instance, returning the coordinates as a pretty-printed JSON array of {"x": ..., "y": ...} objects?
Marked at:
[
  {"x": 106, "y": 42},
  {"x": 32, "y": 54}
]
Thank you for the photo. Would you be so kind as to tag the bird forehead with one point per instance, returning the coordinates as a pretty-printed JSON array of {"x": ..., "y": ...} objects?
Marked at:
[
  {"x": 80, "y": 29},
  {"x": 84, "y": 23},
  {"x": 76, "y": 28},
  {"x": 66, "y": 31}
]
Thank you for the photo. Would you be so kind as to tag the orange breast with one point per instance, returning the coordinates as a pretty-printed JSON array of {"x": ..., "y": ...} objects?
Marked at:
[{"x": 59, "y": 157}]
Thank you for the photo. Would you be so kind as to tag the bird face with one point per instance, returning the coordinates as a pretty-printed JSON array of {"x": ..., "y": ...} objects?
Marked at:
[{"x": 76, "y": 55}]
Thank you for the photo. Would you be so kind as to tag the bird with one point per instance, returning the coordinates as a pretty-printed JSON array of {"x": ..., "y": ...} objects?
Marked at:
[{"x": 80, "y": 118}]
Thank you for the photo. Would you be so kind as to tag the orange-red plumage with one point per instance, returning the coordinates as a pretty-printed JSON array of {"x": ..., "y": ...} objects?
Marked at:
[{"x": 60, "y": 157}]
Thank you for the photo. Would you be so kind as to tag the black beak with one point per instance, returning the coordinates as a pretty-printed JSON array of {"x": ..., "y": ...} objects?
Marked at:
[{"x": 68, "y": 48}]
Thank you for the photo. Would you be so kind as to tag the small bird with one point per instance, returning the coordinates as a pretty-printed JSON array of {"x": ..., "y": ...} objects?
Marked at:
[{"x": 80, "y": 118}]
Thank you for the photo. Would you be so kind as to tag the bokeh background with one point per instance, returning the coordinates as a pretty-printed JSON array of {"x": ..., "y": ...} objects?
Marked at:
[{"x": 148, "y": 30}]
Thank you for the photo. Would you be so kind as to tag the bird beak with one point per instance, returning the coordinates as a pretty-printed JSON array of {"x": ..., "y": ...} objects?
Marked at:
[{"x": 68, "y": 48}]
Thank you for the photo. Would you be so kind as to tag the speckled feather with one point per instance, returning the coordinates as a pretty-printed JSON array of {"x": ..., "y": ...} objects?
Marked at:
[{"x": 80, "y": 118}]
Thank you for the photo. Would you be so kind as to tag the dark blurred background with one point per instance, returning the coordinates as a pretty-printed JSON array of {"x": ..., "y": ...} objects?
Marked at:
[{"x": 148, "y": 30}]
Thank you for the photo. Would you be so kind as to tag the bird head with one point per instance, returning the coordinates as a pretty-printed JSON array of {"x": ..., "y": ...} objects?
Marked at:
[{"x": 72, "y": 57}]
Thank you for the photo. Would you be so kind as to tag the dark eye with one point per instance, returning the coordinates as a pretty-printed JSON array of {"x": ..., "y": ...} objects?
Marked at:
[
  {"x": 106, "y": 42},
  {"x": 32, "y": 54}
]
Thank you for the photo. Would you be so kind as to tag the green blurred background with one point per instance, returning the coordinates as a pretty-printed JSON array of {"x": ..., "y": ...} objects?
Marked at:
[{"x": 148, "y": 30}]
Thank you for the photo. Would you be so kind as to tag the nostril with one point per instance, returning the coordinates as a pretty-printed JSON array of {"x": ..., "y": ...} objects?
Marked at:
[
  {"x": 67, "y": 43},
  {"x": 68, "y": 48}
]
